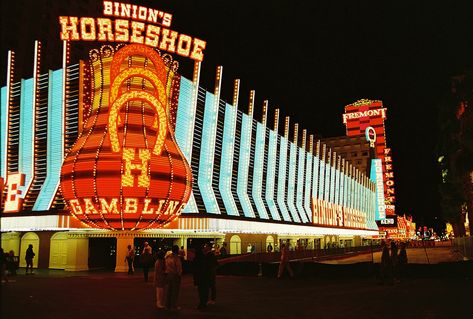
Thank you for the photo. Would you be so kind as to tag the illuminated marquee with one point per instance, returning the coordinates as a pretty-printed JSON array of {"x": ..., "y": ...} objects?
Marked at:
[
  {"x": 135, "y": 31},
  {"x": 126, "y": 171},
  {"x": 327, "y": 213}
]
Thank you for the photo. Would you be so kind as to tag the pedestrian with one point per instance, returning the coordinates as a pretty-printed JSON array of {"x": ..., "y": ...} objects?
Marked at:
[
  {"x": 385, "y": 266},
  {"x": 11, "y": 264},
  {"x": 146, "y": 259},
  {"x": 217, "y": 250},
  {"x": 202, "y": 274},
  {"x": 3, "y": 266},
  {"x": 284, "y": 264},
  {"x": 269, "y": 249},
  {"x": 253, "y": 248},
  {"x": 212, "y": 264},
  {"x": 160, "y": 279},
  {"x": 29, "y": 258},
  {"x": 173, "y": 270},
  {"x": 223, "y": 250},
  {"x": 182, "y": 254},
  {"x": 402, "y": 261},
  {"x": 130, "y": 257},
  {"x": 394, "y": 262},
  {"x": 248, "y": 248}
]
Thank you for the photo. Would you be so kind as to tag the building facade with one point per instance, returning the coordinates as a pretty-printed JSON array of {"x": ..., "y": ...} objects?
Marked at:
[{"x": 251, "y": 184}]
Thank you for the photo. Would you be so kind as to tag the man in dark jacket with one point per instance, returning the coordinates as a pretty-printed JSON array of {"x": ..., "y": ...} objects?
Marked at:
[{"x": 204, "y": 268}]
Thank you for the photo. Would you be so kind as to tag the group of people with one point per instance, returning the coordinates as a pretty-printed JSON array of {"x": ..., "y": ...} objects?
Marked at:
[
  {"x": 168, "y": 271},
  {"x": 393, "y": 262},
  {"x": 167, "y": 278},
  {"x": 9, "y": 262}
]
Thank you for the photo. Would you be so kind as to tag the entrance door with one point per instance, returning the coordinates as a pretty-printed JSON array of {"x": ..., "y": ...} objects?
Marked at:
[
  {"x": 102, "y": 253},
  {"x": 58, "y": 251}
]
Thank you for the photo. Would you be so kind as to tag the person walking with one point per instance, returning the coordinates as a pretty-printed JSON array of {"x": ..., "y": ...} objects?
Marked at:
[
  {"x": 160, "y": 279},
  {"x": 212, "y": 265},
  {"x": 402, "y": 261},
  {"x": 269, "y": 249},
  {"x": 29, "y": 258},
  {"x": 146, "y": 259},
  {"x": 11, "y": 263},
  {"x": 394, "y": 262},
  {"x": 385, "y": 266},
  {"x": 130, "y": 257},
  {"x": 3, "y": 266},
  {"x": 284, "y": 264},
  {"x": 173, "y": 270},
  {"x": 202, "y": 275},
  {"x": 223, "y": 250}
]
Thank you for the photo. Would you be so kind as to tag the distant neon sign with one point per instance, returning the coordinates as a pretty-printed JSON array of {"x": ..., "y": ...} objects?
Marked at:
[
  {"x": 147, "y": 26},
  {"x": 368, "y": 113}
]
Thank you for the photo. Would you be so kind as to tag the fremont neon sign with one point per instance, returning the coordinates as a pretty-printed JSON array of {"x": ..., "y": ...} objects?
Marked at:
[
  {"x": 368, "y": 113},
  {"x": 147, "y": 26}
]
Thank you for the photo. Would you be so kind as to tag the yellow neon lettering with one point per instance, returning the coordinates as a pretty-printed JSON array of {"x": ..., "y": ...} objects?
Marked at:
[
  {"x": 145, "y": 208},
  {"x": 107, "y": 208},
  {"x": 128, "y": 156},
  {"x": 131, "y": 205},
  {"x": 69, "y": 28},
  {"x": 89, "y": 206}
]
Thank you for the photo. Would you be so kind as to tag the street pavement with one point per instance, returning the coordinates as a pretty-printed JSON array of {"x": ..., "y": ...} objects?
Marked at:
[
  {"x": 77, "y": 295},
  {"x": 430, "y": 255}
]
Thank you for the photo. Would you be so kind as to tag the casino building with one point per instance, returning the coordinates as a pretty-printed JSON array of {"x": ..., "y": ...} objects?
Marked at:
[{"x": 121, "y": 149}]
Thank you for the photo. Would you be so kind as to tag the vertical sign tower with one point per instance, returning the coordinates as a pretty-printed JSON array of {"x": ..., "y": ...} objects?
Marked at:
[{"x": 357, "y": 118}]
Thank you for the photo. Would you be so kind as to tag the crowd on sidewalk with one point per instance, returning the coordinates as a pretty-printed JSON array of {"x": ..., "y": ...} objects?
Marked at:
[
  {"x": 168, "y": 269},
  {"x": 393, "y": 262}
]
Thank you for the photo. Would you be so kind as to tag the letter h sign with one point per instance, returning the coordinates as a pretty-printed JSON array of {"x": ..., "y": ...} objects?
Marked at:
[{"x": 129, "y": 163}]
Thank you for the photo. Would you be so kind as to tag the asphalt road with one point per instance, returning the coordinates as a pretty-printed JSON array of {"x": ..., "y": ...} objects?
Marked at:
[{"x": 59, "y": 294}]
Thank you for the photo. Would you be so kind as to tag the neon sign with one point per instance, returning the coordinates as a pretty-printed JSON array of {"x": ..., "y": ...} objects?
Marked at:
[
  {"x": 126, "y": 171},
  {"x": 13, "y": 199},
  {"x": 135, "y": 31},
  {"x": 366, "y": 117},
  {"x": 368, "y": 113}
]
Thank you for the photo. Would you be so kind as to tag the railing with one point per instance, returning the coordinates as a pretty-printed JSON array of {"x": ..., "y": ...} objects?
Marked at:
[
  {"x": 464, "y": 245},
  {"x": 297, "y": 254}
]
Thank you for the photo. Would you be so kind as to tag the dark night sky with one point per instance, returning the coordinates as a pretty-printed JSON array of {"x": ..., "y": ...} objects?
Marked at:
[{"x": 310, "y": 59}]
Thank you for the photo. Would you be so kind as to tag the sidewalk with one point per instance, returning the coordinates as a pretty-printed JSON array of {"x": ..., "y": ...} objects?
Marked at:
[{"x": 59, "y": 294}]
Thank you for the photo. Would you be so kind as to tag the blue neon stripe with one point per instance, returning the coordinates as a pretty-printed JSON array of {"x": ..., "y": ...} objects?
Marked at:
[
  {"x": 271, "y": 175},
  {"x": 25, "y": 156},
  {"x": 258, "y": 171},
  {"x": 226, "y": 163},
  {"x": 291, "y": 183},
  {"x": 243, "y": 165},
  {"x": 300, "y": 186},
  {"x": 282, "y": 179},
  {"x": 308, "y": 186},
  {"x": 185, "y": 120},
  {"x": 327, "y": 182},
  {"x": 321, "y": 189},
  {"x": 332, "y": 184},
  {"x": 207, "y": 152},
  {"x": 315, "y": 177},
  {"x": 54, "y": 142}
]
